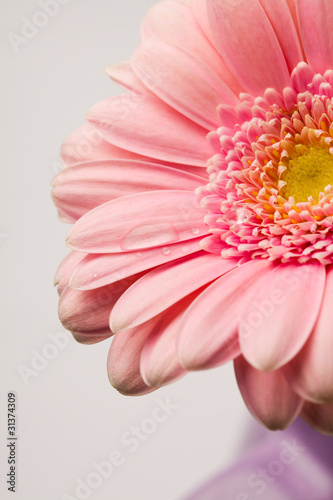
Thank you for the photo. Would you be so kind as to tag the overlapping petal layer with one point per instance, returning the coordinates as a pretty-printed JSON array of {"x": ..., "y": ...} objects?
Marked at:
[{"x": 202, "y": 203}]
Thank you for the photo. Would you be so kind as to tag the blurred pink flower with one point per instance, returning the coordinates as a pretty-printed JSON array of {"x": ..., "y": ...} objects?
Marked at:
[{"x": 211, "y": 250}]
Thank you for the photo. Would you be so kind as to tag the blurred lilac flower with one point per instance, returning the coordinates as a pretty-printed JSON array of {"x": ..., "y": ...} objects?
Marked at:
[{"x": 296, "y": 464}]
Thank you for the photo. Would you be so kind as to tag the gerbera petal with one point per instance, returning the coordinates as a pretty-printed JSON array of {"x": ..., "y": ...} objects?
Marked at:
[
  {"x": 311, "y": 371},
  {"x": 164, "y": 286},
  {"x": 178, "y": 79},
  {"x": 292, "y": 7},
  {"x": 209, "y": 327},
  {"x": 86, "y": 314},
  {"x": 123, "y": 75},
  {"x": 65, "y": 270},
  {"x": 268, "y": 396},
  {"x": 212, "y": 244},
  {"x": 99, "y": 270},
  {"x": 87, "y": 185},
  {"x": 159, "y": 361},
  {"x": 164, "y": 133},
  {"x": 315, "y": 22},
  {"x": 320, "y": 417},
  {"x": 293, "y": 11},
  {"x": 139, "y": 221},
  {"x": 286, "y": 299},
  {"x": 251, "y": 50},
  {"x": 92, "y": 336},
  {"x": 123, "y": 363},
  {"x": 282, "y": 22},
  {"x": 174, "y": 23},
  {"x": 201, "y": 16},
  {"x": 87, "y": 143}
]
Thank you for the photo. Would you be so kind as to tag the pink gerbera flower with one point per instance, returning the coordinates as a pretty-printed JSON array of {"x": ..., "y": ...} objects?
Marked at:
[{"x": 202, "y": 203}]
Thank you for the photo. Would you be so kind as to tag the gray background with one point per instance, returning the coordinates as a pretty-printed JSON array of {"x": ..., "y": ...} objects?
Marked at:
[{"x": 68, "y": 415}]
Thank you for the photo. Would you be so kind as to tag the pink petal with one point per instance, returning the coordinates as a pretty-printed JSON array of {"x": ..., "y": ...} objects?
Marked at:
[
  {"x": 174, "y": 24},
  {"x": 200, "y": 13},
  {"x": 123, "y": 75},
  {"x": 87, "y": 143},
  {"x": 99, "y": 270},
  {"x": 320, "y": 417},
  {"x": 315, "y": 22},
  {"x": 163, "y": 133},
  {"x": 248, "y": 44},
  {"x": 124, "y": 360},
  {"x": 86, "y": 314},
  {"x": 311, "y": 372},
  {"x": 87, "y": 185},
  {"x": 178, "y": 78},
  {"x": 159, "y": 362},
  {"x": 92, "y": 336},
  {"x": 139, "y": 221},
  {"x": 302, "y": 76},
  {"x": 282, "y": 22},
  {"x": 284, "y": 306},
  {"x": 65, "y": 270},
  {"x": 209, "y": 328},
  {"x": 268, "y": 396},
  {"x": 292, "y": 7},
  {"x": 212, "y": 244},
  {"x": 164, "y": 286}
]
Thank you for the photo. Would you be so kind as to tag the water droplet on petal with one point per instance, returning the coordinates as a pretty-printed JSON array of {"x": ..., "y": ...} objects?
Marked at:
[
  {"x": 195, "y": 230},
  {"x": 166, "y": 251},
  {"x": 242, "y": 216}
]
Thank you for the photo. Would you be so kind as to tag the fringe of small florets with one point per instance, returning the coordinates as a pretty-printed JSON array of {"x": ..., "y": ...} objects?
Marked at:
[{"x": 247, "y": 213}]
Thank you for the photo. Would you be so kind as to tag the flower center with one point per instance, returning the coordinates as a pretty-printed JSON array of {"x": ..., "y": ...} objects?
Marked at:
[
  {"x": 307, "y": 174},
  {"x": 270, "y": 190}
]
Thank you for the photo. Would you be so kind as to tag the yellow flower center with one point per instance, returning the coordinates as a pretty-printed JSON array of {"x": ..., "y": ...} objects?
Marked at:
[{"x": 309, "y": 170}]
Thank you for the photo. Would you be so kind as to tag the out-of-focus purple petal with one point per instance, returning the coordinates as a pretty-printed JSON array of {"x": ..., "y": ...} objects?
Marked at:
[{"x": 295, "y": 464}]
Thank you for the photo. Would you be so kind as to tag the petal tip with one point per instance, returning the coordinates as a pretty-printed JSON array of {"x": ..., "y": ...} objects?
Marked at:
[{"x": 116, "y": 324}]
